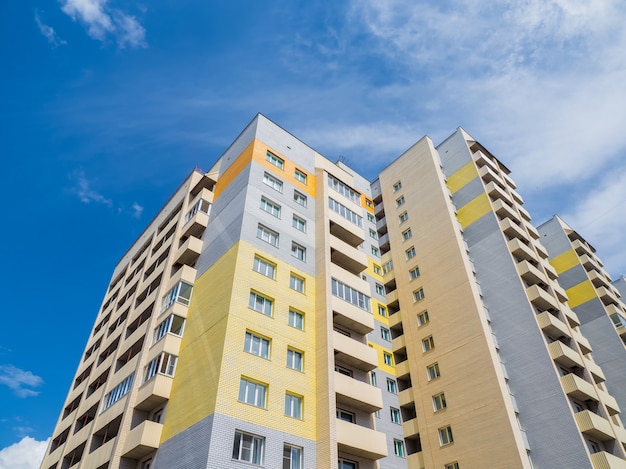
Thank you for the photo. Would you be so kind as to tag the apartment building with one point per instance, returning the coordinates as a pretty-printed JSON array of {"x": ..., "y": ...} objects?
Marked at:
[{"x": 282, "y": 311}]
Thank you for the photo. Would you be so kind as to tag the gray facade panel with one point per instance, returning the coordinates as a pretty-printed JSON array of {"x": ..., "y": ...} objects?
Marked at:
[
  {"x": 454, "y": 153},
  {"x": 524, "y": 353},
  {"x": 553, "y": 237},
  {"x": 468, "y": 192},
  {"x": 286, "y": 144},
  {"x": 620, "y": 284},
  {"x": 187, "y": 450},
  {"x": 573, "y": 276},
  {"x": 590, "y": 310}
]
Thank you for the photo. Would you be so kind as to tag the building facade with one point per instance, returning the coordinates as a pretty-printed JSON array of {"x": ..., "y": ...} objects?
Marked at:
[{"x": 282, "y": 311}]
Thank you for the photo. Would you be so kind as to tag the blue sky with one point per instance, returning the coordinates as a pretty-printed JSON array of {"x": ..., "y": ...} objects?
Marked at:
[{"x": 108, "y": 105}]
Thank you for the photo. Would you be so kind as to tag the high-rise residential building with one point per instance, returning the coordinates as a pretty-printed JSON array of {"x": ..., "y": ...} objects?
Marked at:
[{"x": 282, "y": 311}]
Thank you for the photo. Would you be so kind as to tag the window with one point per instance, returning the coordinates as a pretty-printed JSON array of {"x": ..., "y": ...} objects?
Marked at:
[
  {"x": 345, "y": 212},
  {"x": 373, "y": 234},
  {"x": 345, "y": 464},
  {"x": 428, "y": 343},
  {"x": 260, "y": 303},
  {"x": 299, "y": 198},
  {"x": 380, "y": 289},
  {"x": 180, "y": 293},
  {"x": 398, "y": 448},
  {"x": 296, "y": 319},
  {"x": 385, "y": 333},
  {"x": 350, "y": 295},
  {"x": 257, "y": 345},
  {"x": 298, "y": 223},
  {"x": 200, "y": 206},
  {"x": 382, "y": 311},
  {"x": 346, "y": 416},
  {"x": 414, "y": 273},
  {"x": 369, "y": 203},
  {"x": 418, "y": 294},
  {"x": 293, "y": 406},
  {"x": 292, "y": 457},
  {"x": 371, "y": 218},
  {"x": 275, "y": 160},
  {"x": 422, "y": 318},
  {"x": 387, "y": 359},
  {"x": 294, "y": 359},
  {"x": 445, "y": 436},
  {"x": 377, "y": 269},
  {"x": 171, "y": 325},
  {"x": 117, "y": 392},
  {"x": 300, "y": 176},
  {"x": 343, "y": 370},
  {"x": 403, "y": 217},
  {"x": 343, "y": 189},
  {"x": 397, "y": 186},
  {"x": 372, "y": 378},
  {"x": 594, "y": 447},
  {"x": 252, "y": 392},
  {"x": 387, "y": 267},
  {"x": 395, "y": 414},
  {"x": 433, "y": 371},
  {"x": 439, "y": 402},
  {"x": 375, "y": 251},
  {"x": 298, "y": 251},
  {"x": 248, "y": 448},
  {"x": 452, "y": 465},
  {"x": 164, "y": 364},
  {"x": 400, "y": 201},
  {"x": 296, "y": 283},
  {"x": 407, "y": 234},
  {"x": 392, "y": 386},
  {"x": 410, "y": 253},
  {"x": 267, "y": 235},
  {"x": 270, "y": 207},
  {"x": 264, "y": 267},
  {"x": 273, "y": 182}
]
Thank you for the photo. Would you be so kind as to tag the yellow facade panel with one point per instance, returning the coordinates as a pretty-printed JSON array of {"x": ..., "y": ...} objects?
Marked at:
[
  {"x": 564, "y": 261},
  {"x": 381, "y": 352},
  {"x": 476, "y": 208},
  {"x": 462, "y": 177},
  {"x": 580, "y": 293}
]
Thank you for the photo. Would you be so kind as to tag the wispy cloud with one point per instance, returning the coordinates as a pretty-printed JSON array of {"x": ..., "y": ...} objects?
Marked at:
[
  {"x": 136, "y": 210},
  {"x": 86, "y": 193},
  {"x": 102, "y": 21},
  {"x": 25, "y": 454},
  {"x": 48, "y": 32},
  {"x": 19, "y": 381}
]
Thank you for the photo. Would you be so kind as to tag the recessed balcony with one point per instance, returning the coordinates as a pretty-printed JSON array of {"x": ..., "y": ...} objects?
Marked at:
[
  {"x": 496, "y": 192},
  {"x": 351, "y": 317},
  {"x": 406, "y": 397},
  {"x": 513, "y": 230},
  {"x": 582, "y": 248},
  {"x": 593, "y": 425},
  {"x": 402, "y": 368},
  {"x": 189, "y": 251},
  {"x": 565, "y": 355},
  {"x": 607, "y": 296},
  {"x": 578, "y": 388},
  {"x": 530, "y": 273},
  {"x": 196, "y": 225},
  {"x": 410, "y": 428},
  {"x": 142, "y": 440},
  {"x": 360, "y": 441},
  {"x": 357, "y": 394},
  {"x": 521, "y": 250},
  {"x": 346, "y": 231},
  {"x": 552, "y": 325},
  {"x": 347, "y": 256},
  {"x": 541, "y": 298},
  {"x": 489, "y": 175},
  {"x": 504, "y": 210},
  {"x": 353, "y": 353}
]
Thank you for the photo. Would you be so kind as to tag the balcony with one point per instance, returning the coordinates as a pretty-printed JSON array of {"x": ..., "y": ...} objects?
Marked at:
[
  {"x": 346, "y": 231},
  {"x": 496, "y": 192},
  {"x": 565, "y": 355},
  {"x": 541, "y": 298},
  {"x": 154, "y": 392},
  {"x": 415, "y": 459},
  {"x": 582, "y": 248},
  {"x": 578, "y": 388},
  {"x": 607, "y": 296},
  {"x": 618, "y": 318},
  {"x": 571, "y": 316},
  {"x": 532, "y": 231},
  {"x": 489, "y": 175},
  {"x": 593, "y": 425},
  {"x": 541, "y": 250},
  {"x": 354, "y": 353},
  {"x": 559, "y": 292},
  {"x": 101, "y": 455},
  {"x": 504, "y": 210},
  {"x": 483, "y": 160},
  {"x": 604, "y": 460},
  {"x": 595, "y": 370},
  {"x": 552, "y": 325},
  {"x": 609, "y": 401},
  {"x": 549, "y": 270},
  {"x": 196, "y": 225},
  {"x": 410, "y": 428},
  {"x": 524, "y": 213},
  {"x": 360, "y": 441},
  {"x": 357, "y": 394},
  {"x": 142, "y": 440},
  {"x": 381, "y": 225},
  {"x": 509, "y": 181},
  {"x": 521, "y": 250},
  {"x": 351, "y": 317},
  {"x": 583, "y": 343},
  {"x": 406, "y": 397},
  {"x": 513, "y": 230},
  {"x": 402, "y": 368},
  {"x": 347, "y": 257},
  {"x": 599, "y": 280},
  {"x": 530, "y": 273},
  {"x": 189, "y": 251}
]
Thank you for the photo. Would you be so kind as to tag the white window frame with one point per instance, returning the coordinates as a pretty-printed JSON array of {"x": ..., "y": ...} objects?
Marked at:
[
  {"x": 382, "y": 311},
  {"x": 394, "y": 414},
  {"x": 270, "y": 207},
  {"x": 351, "y": 295},
  {"x": 397, "y": 186},
  {"x": 428, "y": 343},
  {"x": 387, "y": 359},
  {"x": 407, "y": 234},
  {"x": 398, "y": 448},
  {"x": 423, "y": 319},
  {"x": 345, "y": 212},
  {"x": 392, "y": 386},
  {"x": 298, "y": 223},
  {"x": 170, "y": 325},
  {"x": 275, "y": 160},
  {"x": 410, "y": 253},
  {"x": 257, "y": 345},
  {"x": 162, "y": 364},
  {"x": 439, "y": 402},
  {"x": 418, "y": 295},
  {"x": 373, "y": 234},
  {"x": 293, "y": 405},
  {"x": 296, "y": 283},
  {"x": 179, "y": 293},
  {"x": 385, "y": 333},
  {"x": 265, "y": 234},
  {"x": 414, "y": 273},
  {"x": 248, "y": 448},
  {"x": 292, "y": 456},
  {"x": 299, "y": 198},
  {"x": 264, "y": 267},
  {"x": 273, "y": 182},
  {"x": 295, "y": 359},
  {"x": 404, "y": 216},
  {"x": 298, "y": 251},
  {"x": 400, "y": 201},
  {"x": 117, "y": 392},
  {"x": 300, "y": 175},
  {"x": 433, "y": 371},
  {"x": 445, "y": 436},
  {"x": 261, "y": 303},
  {"x": 293, "y": 319},
  {"x": 252, "y": 392}
]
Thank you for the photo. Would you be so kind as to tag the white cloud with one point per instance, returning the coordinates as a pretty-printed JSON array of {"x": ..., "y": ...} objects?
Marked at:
[
  {"x": 49, "y": 32},
  {"x": 101, "y": 20},
  {"x": 19, "y": 381},
  {"x": 137, "y": 210},
  {"x": 25, "y": 454},
  {"x": 86, "y": 194}
]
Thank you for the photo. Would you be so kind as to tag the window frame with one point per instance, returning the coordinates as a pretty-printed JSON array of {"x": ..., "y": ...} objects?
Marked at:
[
  {"x": 418, "y": 295},
  {"x": 398, "y": 448},
  {"x": 275, "y": 160},
  {"x": 445, "y": 436},
  {"x": 295, "y": 359},
  {"x": 263, "y": 231},
  {"x": 266, "y": 300},
  {"x": 270, "y": 207},
  {"x": 392, "y": 386},
  {"x": 394, "y": 414},
  {"x": 298, "y": 223},
  {"x": 410, "y": 253},
  {"x": 300, "y": 198},
  {"x": 414, "y": 273},
  {"x": 264, "y": 267},
  {"x": 249, "y": 345},
  {"x": 255, "y": 398},
  {"x": 273, "y": 182},
  {"x": 294, "y": 314},
  {"x": 407, "y": 234},
  {"x": 298, "y": 251},
  {"x": 423, "y": 319},
  {"x": 428, "y": 343},
  {"x": 288, "y": 456},
  {"x": 404, "y": 216},
  {"x": 300, "y": 176},
  {"x": 433, "y": 372},
  {"x": 387, "y": 359},
  {"x": 294, "y": 405},
  {"x": 256, "y": 447},
  {"x": 439, "y": 402},
  {"x": 400, "y": 201},
  {"x": 385, "y": 333}
]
